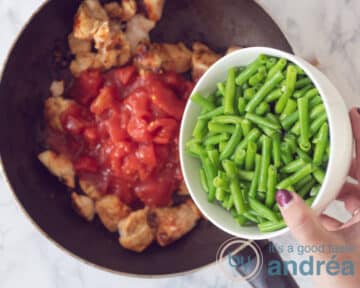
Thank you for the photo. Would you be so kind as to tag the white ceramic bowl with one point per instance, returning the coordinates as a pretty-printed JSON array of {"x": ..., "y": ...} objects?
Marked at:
[{"x": 340, "y": 140}]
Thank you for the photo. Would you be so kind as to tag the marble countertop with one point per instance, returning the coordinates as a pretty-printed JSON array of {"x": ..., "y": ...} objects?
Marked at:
[{"x": 319, "y": 30}]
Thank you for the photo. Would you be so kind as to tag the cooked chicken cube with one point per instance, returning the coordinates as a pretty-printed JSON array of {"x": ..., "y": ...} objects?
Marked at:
[
  {"x": 232, "y": 49},
  {"x": 135, "y": 232},
  {"x": 172, "y": 223},
  {"x": 183, "y": 191},
  {"x": 154, "y": 9},
  {"x": 169, "y": 57},
  {"x": 60, "y": 166},
  {"x": 137, "y": 30},
  {"x": 114, "y": 9},
  {"x": 88, "y": 19},
  {"x": 202, "y": 59},
  {"x": 89, "y": 189},
  {"x": 113, "y": 47},
  {"x": 57, "y": 88},
  {"x": 111, "y": 210},
  {"x": 83, "y": 62},
  {"x": 84, "y": 206},
  {"x": 124, "y": 12},
  {"x": 53, "y": 108},
  {"x": 77, "y": 45}
]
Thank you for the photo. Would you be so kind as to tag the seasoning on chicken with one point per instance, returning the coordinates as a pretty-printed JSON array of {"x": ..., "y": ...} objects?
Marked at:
[
  {"x": 60, "y": 166},
  {"x": 77, "y": 45},
  {"x": 57, "y": 88},
  {"x": 154, "y": 9},
  {"x": 89, "y": 189},
  {"x": 137, "y": 30},
  {"x": 84, "y": 206},
  {"x": 172, "y": 223},
  {"x": 111, "y": 210},
  {"x": 135, "y": 232},
  {"x": 53, "y": 108},
  {"x": 88, "y": 19},
  {"x": 123, "y": 12},
  {"x": 202, "y": 59},
  {"x": 157, "y": 57}
]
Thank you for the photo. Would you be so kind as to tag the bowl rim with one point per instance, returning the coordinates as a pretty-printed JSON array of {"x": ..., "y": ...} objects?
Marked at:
[{"x": 314, "y": 78}]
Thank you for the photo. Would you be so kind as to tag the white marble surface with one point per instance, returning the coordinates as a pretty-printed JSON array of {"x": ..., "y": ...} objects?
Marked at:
[{"x": 326, "y": 30}]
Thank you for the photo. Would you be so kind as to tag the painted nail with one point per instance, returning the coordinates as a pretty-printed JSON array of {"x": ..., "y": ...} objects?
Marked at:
[{"x": 283, "y": 197}]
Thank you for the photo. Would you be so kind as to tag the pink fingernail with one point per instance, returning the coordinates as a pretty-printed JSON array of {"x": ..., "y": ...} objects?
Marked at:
[{"x": 283, "y": 197}]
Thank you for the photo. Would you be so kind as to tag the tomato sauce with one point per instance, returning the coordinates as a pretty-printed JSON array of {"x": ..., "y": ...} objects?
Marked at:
[{"x": 122, "y": 133}]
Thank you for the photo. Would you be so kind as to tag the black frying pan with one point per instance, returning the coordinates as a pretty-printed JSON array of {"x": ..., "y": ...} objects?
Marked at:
[{"x": 39, "y": 56}]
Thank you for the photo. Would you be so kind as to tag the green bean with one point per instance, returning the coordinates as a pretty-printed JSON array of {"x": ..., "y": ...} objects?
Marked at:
[
  {"x": 230, "y": 92},
  {"x": 230, "y": 168},
  {"x": 220, "y": 128},
  {"x": 269, "y": 132},
  {"x": 213, "y": 113},
  {"x": 245, "y": 175},
  {"x": 278, "y": 67},
  {"x": 306, "y": 188},
  {"x": 240, "y": 157},
  {"x": 290, "y": 120},
  {"x": 271, "y": 186},
  {"x": 315, "y": 190},
  {"x": 231, "y": 145},
  {"x": 222, "y": 146},
  {"x": 204, "y": 103},
  {"x": 272, "y": 118},
  {"x": 290, "y": 139},
  {"x": 220, "y": 194},
  {"x": 317, "y": 123},
  {"x": 210, "y": 173},
  {"x": 302, "y": 82},
  {"x": 270, "y": 62},
  {"x": 273, "y": 96},
  {"x": 241, "y": 105},
  {"x": 250, "y": 70},
  {"x": 293, "y": 166},
  {"x": 221, "y": 181},
  {"x": 255, "y": 180},
  {"x": 321, "y": 144},
  {"x": 249, "y": 93},
  {"x": 311, "y": 93},
  {"x": 195, "y": 149},
  {"x": 258, "y": 77},
  {"x": 315, "y": 101},
  {"x": 250, "y": 156},
  {"x": 319, "y": 175},
  {"x": 318, "y": 109},
  {"x": 253, "y": 135},
  {"x": 246, "y": 126},
  {"x": 271, "y": 226},
  {"x": 262, "y": 121},
  {"x": 200, "y": 129},
  {"x": 296, "y": 128},
  {"x": 290, "y": 108},
  {"x": 221, "y": 88},
  {"x": 303, "y": 182},
  {"x": 216, "y": 139},
  {"x": 264, "y": 91},
  {"x": 285, "y": 155},
  {"x": 276, "y": 149},
  {"x": 213, "y": 155},
  {"x": 228, "y": 203},
  {"x": 264, "y": 211},
  {"x": 262, "y": 108},
  {"x": 203, "y": 180},
  {"x": 304, "y": 156},
  {"x": 296, "y": 177},
  {"x": 237, "y": 196},
  {"x": 227, "y": 119},
  {"x": 241, "y": 220},
  {"x": 291, "y": 75},
  {"x": 304, "y": 142},
  {"x": 265, "y": 162},
  {"x": 302, "y": 91}
]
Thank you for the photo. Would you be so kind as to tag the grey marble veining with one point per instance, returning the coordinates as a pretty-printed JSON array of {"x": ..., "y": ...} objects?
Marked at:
[{"x": 323, "y": 30}]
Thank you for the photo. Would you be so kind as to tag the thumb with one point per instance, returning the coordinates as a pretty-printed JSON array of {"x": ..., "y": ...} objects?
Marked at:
[{"x": 300, "y": 219}]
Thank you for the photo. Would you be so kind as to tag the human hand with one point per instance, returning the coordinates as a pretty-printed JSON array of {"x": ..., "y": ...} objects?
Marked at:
[{"x": 310, "y": 229}]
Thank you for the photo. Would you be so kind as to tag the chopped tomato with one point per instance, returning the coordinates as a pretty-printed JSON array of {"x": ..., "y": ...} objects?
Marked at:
[
  {"x": 87, "y": 86},
  {"x": 116, "y": 131},
  {"x": 91, "y": 134},
  {"x": 126, "y": 74},
  {"x": 146, "y": 155},
  {"x": 138, "y": 103},
  {"x": 163, "y": 130},
  {"x": 86, "y": 164},
  {"x": 137, "y": 128},
  {"x": 103, "y": 101}
]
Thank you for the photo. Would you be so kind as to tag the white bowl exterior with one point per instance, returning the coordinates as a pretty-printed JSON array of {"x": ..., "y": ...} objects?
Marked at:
[{"x": 340, "y": 140}]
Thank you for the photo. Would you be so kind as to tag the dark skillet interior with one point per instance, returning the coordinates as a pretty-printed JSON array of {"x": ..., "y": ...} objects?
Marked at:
[{"x": 28, "y": 73}]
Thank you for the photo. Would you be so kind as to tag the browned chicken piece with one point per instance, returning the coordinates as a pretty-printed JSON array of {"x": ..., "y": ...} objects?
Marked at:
[
  {"x": 137, "y": 30},
  {"x": 154, "y": 9},
  {"x": 124, "y": 12},
  {"x": 88, "y": 19},
  {"x": 135, "y": 232},
  {"x": 232, "y": 49},
  {"x": 60, "y": 166},
  {"x": 77, "y": 45},
  {"x": 85, "y": 61},
  {"x": 57, "y": 88},
  {"x": 53, "y": 108},
  {"x": 111, "y": 210},
  {"x": 172, "y": 223},
  {"x": 83, "y": 205},
  {"x": 89, "y": 189},
  {"x": 183, "y": 191},
  {"x": 202, "y": 59},
  {"x": 157, "y": 57},
  {"x": 113, "y": 47}
]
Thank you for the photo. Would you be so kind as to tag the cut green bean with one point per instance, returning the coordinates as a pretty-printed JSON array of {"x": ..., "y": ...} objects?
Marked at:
[
  {"x": 246, "y": 126},
  {"x": 273, "y": 96},
  {"x": 220, "y": 128},
  {"x": 213, "y": 155},
  {"x": 291, "y": 75},
  {"x": 278, "y": 67},
  {"x": 290, "y": 108},
  {"x": 321, "y": 144},
  {"x": 302, "y": 83},
  {"x": 293, "y": 166},
  {"x": 240, "y": 157},
  {"x": 200, "y": 129},
  {"x": 237, "y": 196},
  {"x": 276, "y": 150},
  {"x": 245, "y": 175},
  {"x": 253, "y": 135},
  {"x": 271, "y": 186},
  {"x": 290, "y": 120},
  {"x": 250, "y": 156},
  {"x": 249, "y": 93},
  {"x": 220, "y": 194},
  {"x": 265, "y": 162},
  {"x": 286, "y": 156},
  {"x": 250, "y": 70},
  {"x": 258, "y": 77},
  {"x": 210, "y": 172},
  {"x": 317, "y": 123},
  {"x": 230, "y": 168},
  {"x": 296, "y": 177},
  {"x": 227, "y": 119},
  {"x": 319, "y": 175},
  {"x": 262, "y": 109},
  {"x": 260, "y": 208},
  {"x": 213, "y": 113},
  {"x": 231, "y": 145},
  {"x": 302, "y": 91},
  {"x": 230, "y": 92},
  {"x": 303, "y": 182},
  {"x": 216, "y": 139},
  {"x": 271, "y": 226},
  {"x": 255, "y": 180},
  {"x": 306, "y": 188},
  {"x": 202, "y": 101},
  {"x": 241, "y": 105},
  {"x": 304, "y": 141},
  {"x": 203, "y": 180},
  {"x": 221, "y": 88},
  {"x": 262, "y": 121}
]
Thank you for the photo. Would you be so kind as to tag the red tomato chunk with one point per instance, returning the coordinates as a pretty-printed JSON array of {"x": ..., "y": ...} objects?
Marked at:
[{"x": 125, "y": 129}]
